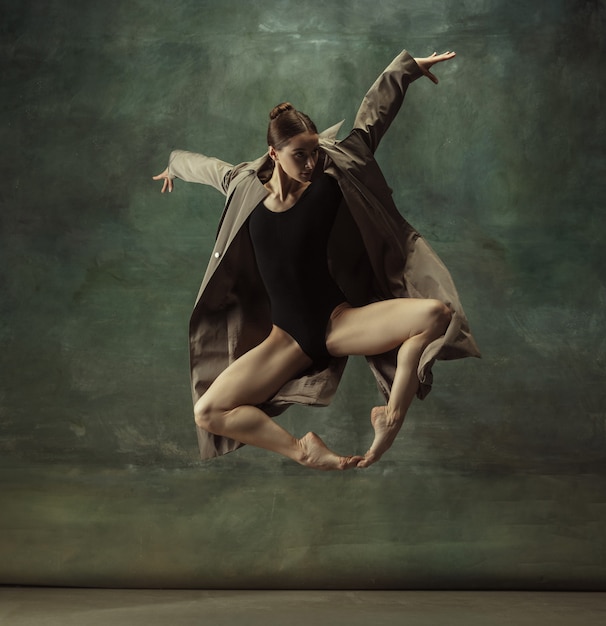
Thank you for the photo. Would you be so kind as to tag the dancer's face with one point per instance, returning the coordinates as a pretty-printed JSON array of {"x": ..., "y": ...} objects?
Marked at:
[{"x": 298, "y": 157}]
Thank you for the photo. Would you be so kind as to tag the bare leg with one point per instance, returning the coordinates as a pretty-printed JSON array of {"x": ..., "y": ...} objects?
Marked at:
[
  {"x": 228, "y": 407},
  {"x": 411, "y": 324}
]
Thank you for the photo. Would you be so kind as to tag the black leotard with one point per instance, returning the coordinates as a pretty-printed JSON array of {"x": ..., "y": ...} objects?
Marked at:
[{"x": 290, "y": 248}]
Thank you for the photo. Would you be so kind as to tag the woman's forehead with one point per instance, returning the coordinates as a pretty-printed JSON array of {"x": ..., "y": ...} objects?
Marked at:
[{"x": 304, "y": 141}]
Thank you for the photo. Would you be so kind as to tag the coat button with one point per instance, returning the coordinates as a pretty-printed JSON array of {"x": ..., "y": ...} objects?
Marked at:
[{"x": 217, "y": 255}]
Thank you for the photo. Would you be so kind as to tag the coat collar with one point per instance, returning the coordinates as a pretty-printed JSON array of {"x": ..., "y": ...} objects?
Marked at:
[{"x": 330, "y": 134}]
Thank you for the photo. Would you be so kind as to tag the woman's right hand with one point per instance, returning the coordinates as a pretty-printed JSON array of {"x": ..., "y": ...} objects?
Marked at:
[{"x": 168, "y": 180}]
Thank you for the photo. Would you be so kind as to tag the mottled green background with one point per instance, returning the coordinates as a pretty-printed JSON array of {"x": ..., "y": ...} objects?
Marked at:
[{"x": 498, "y": 479}]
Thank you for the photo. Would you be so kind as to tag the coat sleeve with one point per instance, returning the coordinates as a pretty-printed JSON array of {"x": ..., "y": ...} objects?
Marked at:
[
  {"x": 384, "y": 99},
  {"x": 197, "y": 168}
]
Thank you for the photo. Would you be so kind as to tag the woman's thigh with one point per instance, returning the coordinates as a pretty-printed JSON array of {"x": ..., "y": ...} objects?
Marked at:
[
  {"x": 380, "y": 326},
  {"x": 258, "y": 374}
]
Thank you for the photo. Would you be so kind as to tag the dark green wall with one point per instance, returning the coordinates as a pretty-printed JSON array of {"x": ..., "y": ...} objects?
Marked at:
[{"x": 497, "y": 479}]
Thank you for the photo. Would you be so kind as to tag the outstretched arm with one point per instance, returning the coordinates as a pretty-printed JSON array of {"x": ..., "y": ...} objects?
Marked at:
[
  {"x": 384, "y": 99},
  {"x": 195, "y": 168}
]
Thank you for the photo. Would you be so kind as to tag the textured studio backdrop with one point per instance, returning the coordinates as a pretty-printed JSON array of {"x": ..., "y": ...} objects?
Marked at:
[{"x": 497, "y": 479}]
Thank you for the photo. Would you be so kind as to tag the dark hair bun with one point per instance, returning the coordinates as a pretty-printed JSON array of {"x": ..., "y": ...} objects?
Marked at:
[
  {"x": 285, "y": 123},
  {"x": 279, "y": 109}
]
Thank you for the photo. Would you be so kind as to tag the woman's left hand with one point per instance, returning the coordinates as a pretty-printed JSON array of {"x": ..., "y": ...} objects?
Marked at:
[{"x": 428, "y": 62}]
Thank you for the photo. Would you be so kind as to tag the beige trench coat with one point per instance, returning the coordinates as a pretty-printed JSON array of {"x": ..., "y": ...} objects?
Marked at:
[{"x": 374, "y": 254}]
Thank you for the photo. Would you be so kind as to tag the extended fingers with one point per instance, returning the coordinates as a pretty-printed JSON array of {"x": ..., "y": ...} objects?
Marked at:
[
  {"x": 168, "y": 181},
  {"x": 445, "y": 56}
]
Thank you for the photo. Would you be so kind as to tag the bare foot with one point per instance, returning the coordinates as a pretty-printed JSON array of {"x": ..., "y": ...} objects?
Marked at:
[
  {"x": 386, "y": 430},
  {"x": 315, "y": 453}
]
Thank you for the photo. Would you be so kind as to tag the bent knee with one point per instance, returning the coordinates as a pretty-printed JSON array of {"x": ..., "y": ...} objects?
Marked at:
[
  {"x": 440, "y": 315},
  {"x": 208, "y": 415}
]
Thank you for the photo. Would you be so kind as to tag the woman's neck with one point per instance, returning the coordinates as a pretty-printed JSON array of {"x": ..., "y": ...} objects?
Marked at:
[
  {"x": 284, "y": 191},
  {"x": 282, "y": 186}
]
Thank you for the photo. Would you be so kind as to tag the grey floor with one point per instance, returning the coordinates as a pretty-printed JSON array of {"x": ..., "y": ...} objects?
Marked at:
[{"x": 98, "y": 607}]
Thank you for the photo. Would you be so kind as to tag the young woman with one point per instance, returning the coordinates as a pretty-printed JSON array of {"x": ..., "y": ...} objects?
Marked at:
[{"x": 312, "y": 263}]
